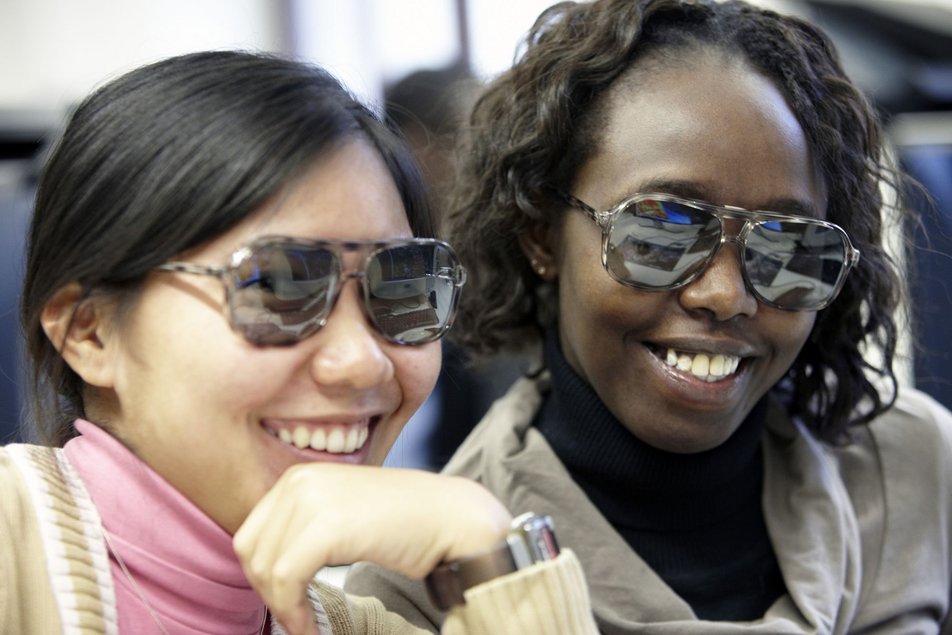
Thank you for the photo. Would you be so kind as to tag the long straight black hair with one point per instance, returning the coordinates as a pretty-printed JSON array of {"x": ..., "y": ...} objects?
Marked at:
[{"x": 165, "y": 158}]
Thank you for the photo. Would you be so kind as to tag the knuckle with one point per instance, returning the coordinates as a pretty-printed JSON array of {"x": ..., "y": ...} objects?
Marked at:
[
  {"x": 283, "y": 579},
  {"x": 241, "y": 545},
  {"x": 296, "y": 476},
  {"x": 257, "y": 570}
]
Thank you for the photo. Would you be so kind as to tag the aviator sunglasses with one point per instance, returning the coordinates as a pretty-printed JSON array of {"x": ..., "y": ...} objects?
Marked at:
[
  {"x": 662, "y": 242},
  {"x": 282, "y": 290}
]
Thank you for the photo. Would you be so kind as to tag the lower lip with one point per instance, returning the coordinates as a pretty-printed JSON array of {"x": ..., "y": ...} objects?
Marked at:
[{"x": 357, "y": 457}]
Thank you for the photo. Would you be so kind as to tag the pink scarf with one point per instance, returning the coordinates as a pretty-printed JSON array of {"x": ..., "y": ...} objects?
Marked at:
[{"x": 183, "y": 562}]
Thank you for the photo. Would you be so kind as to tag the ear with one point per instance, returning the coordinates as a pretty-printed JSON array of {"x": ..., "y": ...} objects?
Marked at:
[
  {"x": 77, "y": 328},
  {"x": 538, "y": 244}
]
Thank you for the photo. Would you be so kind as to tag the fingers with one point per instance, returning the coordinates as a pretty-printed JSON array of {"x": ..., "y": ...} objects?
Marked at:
[
  {"x": 287, "y": 600},
  {"x": 478, "y": 517},
  {"x": 298, "y": 621},
  {"x": 322, "y": 514},
  {"x": 260, "y": 540},
  {"x": 260, "y": 543}
]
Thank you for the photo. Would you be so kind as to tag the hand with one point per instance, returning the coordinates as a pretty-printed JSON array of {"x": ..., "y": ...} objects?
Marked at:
[{"x": 321, "y": 514}]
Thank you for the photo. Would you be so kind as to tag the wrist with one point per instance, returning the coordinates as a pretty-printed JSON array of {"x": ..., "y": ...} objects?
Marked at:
[{"x": 531, "y": 538}]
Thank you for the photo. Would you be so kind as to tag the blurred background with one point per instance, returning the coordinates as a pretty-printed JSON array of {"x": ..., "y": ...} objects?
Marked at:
[{"x": 420, "y": 62}]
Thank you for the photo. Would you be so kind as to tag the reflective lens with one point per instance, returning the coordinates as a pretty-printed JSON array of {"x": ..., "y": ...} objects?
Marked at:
[
  {"x": 658, "y": 241},
  {"x": 795, "y": 264},
  {"x": 281, "y": 291},
  {"x": 660, "y": 244},
  {"x": 412, "y": 291}
]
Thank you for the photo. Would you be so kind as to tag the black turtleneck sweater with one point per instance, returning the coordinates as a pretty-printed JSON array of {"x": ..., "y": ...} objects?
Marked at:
[{"x": 695, "y": 519}]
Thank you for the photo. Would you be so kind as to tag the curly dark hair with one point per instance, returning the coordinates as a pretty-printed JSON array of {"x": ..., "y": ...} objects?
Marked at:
[{"x": 536, "y": 124}]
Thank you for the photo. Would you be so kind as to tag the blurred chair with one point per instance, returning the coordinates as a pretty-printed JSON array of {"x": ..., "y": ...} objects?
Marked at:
[
  {"x": 21, "y": 136},
  {"x": 924, "y": 146},
  {"x": 900, "y": 53}
]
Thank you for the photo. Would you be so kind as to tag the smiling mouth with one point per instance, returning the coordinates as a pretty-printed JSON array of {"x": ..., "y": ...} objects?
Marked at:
[
  {"x": 330, "y": 438},
  {"x": 709, "y": 367}
]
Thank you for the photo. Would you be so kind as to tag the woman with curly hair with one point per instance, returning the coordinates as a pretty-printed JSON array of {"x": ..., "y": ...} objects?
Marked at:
[{"x": 683, "y": 203}]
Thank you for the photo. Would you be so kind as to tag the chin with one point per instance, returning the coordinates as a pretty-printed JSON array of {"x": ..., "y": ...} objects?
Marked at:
[{"x": 689, "y": 443}]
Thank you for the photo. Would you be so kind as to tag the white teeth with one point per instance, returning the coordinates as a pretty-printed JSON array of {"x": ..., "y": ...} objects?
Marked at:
[
  {"x": 684, "y": 362},
  {"x": 301, "y": 437},
  {"x": 701, "y": 365},
  {"x": 717, "y": 365},
  {"x": 350, "y": 442},
  {"x": 336, "y": 440},
  {"x": 319, "y": 440},
  {"x": 710, "y": 368}
]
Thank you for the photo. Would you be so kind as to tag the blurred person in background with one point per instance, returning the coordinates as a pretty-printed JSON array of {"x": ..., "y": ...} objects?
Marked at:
[{"x": 429, "y": 107}]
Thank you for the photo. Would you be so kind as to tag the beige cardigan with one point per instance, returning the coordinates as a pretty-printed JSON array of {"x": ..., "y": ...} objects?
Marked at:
[
  {"x": 863, "y": 533},
  {"x": 55, "y": 573}
]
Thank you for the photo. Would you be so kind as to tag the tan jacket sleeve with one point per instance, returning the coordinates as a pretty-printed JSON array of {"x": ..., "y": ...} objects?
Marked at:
[
  {"x": 27, "y": 604},
  {"x": 546, "y": 598}
]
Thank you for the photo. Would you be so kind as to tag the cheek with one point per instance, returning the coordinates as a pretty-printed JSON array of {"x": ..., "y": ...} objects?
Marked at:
[
  {"x": 582, "y": 278},
  {"x": 580, "y": 297},
  {"x": 189, "y": 363},
  {"x": 789, "y": 332},
  {"x": 416, "y": 370},
  {"x": 594, "y": 309}
]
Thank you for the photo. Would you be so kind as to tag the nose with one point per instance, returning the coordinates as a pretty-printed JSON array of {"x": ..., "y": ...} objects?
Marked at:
[
  {"x": 348, "y": 350},
  {"x": 720, "y": 290}
]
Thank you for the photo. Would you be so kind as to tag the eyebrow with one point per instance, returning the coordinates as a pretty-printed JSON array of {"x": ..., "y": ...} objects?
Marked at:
[{"x": 697, "y": 191}]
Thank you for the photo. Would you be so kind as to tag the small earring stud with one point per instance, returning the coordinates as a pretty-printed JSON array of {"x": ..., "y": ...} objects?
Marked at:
[{"x": 538, "y": 267}]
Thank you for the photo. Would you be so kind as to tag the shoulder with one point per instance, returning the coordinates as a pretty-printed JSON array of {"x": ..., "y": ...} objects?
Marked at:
[
  {"x": 30, "y": 476},
  {"x": 903, "y": 455},
  {"x": 898, "y": 472},
  {"x": 502, "y": 429},
  {"x": 914, "y": 437},
  {"x": 18, "y": 465},
  {"x": 55, "y": 546},
  {"x": 12, "y": 491},
  {"x": 26, "y": 598}
]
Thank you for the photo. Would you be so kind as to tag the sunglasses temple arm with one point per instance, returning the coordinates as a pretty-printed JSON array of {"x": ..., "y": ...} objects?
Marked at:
[{"x": 601, "y": 218}]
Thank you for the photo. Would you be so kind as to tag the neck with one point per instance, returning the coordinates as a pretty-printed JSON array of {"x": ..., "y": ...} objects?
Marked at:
[
  {"x": 629, "y": 469},
  {"x": 696, "y": 519}
]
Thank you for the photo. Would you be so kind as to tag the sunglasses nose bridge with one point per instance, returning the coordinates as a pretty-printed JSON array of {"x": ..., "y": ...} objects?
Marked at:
[
  {"x": 358, "y": 274},
  {"x": 353, "y": 262},
  {"x": 734, "y": 227}
]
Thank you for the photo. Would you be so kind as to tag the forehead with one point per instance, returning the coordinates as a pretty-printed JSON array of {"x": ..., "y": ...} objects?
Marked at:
[
  {"x": 349, "y": 194},
  {"x": 707, "y": 119}
]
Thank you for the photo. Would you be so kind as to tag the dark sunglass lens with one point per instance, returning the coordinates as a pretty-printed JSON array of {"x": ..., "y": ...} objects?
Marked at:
[
  {"x": 282, "y": 292},
  {"x": 412, "y": 291},
  {"x": 795, "y": 264},
  {"x": 659, "y": 244}
]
